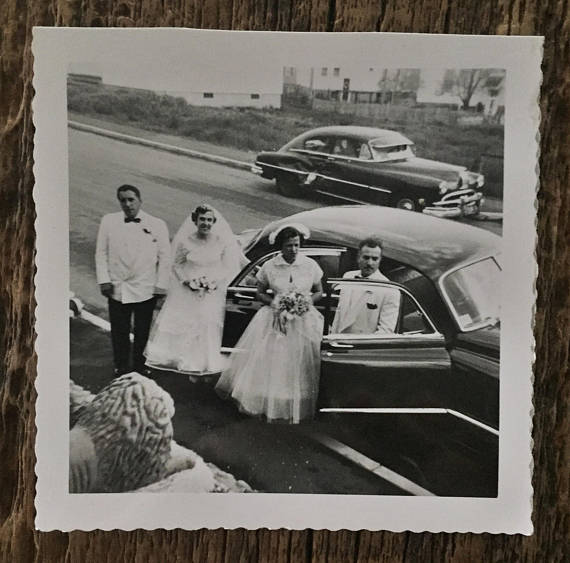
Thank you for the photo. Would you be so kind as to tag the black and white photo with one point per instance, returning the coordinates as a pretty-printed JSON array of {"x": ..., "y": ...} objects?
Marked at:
[{"x": 308, "y": 275}]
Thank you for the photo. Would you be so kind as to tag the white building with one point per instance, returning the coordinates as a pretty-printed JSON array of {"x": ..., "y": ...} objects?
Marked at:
[{"x": 198, "y": 83}]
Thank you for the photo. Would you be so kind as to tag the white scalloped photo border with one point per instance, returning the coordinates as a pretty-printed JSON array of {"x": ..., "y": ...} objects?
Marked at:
[{"x": 54, "y": 49}]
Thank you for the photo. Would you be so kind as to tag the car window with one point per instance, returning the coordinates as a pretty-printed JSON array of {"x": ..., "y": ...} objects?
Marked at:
[
  {"x": 364, "y": 152},
  {"x": 346, "y": 147},
  {"x": 395, "y": 271},
  {"x": 370, "y": 309},
  {"x": 329, "y": 259},
  {"x": 412, "y": 320},
  {"x": 396, "y": 152},
  {"x": 319, "y": 144},
  {"x": 472, "y": 293}
]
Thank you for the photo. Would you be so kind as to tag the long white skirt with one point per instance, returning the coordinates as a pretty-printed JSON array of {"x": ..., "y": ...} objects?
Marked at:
[
  {"x": 187, "y": 334},
  {"x": 273, "y": 374}
]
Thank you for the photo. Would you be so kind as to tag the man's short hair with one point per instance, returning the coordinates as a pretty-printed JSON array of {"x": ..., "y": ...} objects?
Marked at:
[
  {"x": 128, "y": 187},
  {"x": 371, "y": 242}
]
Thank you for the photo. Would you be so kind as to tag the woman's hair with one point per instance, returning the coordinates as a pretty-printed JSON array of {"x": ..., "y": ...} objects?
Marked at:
[
  {"x": 202, "y": 209},
  {"x": 287, "y": 233}
]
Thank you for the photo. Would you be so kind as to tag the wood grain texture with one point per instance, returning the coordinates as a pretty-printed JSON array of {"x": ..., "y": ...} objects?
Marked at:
[{"x": 19, "y": 541}]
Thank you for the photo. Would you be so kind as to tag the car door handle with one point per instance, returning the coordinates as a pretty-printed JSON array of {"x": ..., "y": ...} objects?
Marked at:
[
  {"x": 244, "y": 296},
  {"x": 340, "y": 345}
]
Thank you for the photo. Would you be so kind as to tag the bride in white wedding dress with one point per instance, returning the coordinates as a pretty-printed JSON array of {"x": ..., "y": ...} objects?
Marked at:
[{"x": 187, "y": 334}]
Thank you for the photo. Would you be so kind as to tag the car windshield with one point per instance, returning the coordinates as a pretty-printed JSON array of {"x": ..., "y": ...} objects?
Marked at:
[
  {"x": 396, "y": 152},
  {"x": 473, "y": 293}
]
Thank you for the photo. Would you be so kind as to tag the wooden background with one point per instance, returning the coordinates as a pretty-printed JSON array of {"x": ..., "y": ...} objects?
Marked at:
[{"x": 19, "y": 541}]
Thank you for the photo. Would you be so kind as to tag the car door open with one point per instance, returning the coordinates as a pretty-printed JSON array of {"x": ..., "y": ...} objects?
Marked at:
[
  {"x": 381, "y": 351},
  {"x": 241, "y": 300}
]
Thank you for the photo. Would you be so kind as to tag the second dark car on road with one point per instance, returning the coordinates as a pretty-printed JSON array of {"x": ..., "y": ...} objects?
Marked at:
[{"x": 370, "y": 165}]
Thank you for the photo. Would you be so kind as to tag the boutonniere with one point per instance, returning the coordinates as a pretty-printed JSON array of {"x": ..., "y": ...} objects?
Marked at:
[{"x": 149, "y": 232}]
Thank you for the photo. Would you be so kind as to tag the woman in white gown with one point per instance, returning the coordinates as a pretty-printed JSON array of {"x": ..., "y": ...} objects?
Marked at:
[
  {"x": 187, "y": 334},
  {"x": 274, "y": 371}
]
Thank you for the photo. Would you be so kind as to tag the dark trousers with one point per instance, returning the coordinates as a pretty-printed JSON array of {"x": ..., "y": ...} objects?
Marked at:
[{"x": 121, "y": 316}]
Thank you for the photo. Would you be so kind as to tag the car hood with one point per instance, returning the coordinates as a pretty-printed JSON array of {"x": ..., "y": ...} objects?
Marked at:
[
  {"x": 423, "y": 168},
  {"x": 484, "y": 341}
]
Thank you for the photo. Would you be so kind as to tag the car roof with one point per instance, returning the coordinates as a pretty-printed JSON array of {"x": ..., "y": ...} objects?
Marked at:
[
  {"x": 382, "y": 137},
  {"x": 429, "y": 244}
]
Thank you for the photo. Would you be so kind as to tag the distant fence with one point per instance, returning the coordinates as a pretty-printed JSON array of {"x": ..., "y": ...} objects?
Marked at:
[{"x": 402, "y": 113}]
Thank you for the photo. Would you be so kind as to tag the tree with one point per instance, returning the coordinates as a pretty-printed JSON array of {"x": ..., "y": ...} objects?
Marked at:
[
  {"x": 468, "y": 81},
  {"x": 398, "y": 80},
  {"x": 464, "y": 83}
]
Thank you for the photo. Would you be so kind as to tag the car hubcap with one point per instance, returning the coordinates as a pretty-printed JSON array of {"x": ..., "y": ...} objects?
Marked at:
[{"x": 406, "y": 204}]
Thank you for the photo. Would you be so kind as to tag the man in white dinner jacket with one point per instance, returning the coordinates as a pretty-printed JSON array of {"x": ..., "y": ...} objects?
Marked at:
[
  {"x": 367, "y": 309},
  {"x": 133, "y": 266}
]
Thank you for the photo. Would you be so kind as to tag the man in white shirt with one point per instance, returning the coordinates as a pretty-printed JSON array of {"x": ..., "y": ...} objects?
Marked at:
[
  {"x": 133, "y": 267},
  {"x": 367, "y": 309}
]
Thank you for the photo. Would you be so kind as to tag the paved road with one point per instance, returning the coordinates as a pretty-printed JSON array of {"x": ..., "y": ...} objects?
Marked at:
[{"x": 172, "y": 186}]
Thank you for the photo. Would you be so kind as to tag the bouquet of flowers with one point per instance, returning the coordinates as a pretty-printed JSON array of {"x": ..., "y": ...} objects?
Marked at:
[
  {"x": 203, "y": 285},
  {"x": 288, "y": 306}
]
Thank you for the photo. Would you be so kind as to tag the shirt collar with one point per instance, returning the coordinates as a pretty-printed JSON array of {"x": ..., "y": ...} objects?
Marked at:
[
  {"x": 280, "y": 261},
  {"x": 374, "y": 276},
  {"x": 140, "y": 215}
]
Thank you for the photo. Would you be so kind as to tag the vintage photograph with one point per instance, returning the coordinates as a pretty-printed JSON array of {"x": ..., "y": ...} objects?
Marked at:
[
  {"x": 287, "y": 281},
  {"x": 224, "y": 261}
]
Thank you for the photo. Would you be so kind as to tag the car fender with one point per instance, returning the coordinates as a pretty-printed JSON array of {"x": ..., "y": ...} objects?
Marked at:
[{"x": 273, "y": 163}]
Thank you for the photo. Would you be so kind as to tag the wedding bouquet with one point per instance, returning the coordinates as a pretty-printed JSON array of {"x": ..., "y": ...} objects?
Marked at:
[
  {"x": 203, "y": 285},
  {"x": 288, "y": 306}
]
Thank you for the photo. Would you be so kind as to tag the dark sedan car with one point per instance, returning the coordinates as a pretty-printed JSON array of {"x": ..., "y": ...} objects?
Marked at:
[
  {"x": 444, "y": 353},
  {"x": 369, "y": 165}
]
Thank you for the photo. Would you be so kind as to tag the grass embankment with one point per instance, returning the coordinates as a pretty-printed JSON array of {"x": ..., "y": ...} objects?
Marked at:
[{"x": 268, "y": 129}]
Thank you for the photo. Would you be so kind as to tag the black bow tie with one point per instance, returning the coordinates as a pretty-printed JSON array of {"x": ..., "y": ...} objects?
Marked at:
[{"x": 132, "y": 220}]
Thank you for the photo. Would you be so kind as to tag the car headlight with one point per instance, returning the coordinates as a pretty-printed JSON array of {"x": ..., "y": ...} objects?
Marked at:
[
  {"x": 470, "y": 178},
  {"x": 447, "y": 185}
]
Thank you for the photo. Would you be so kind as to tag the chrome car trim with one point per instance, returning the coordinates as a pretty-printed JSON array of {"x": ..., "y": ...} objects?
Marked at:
[
  {"x": 442, "y": 213},
  {"x": 354, "y": 183},
  {"x": 411, "y": 410},
  {"x": 353, "y": 200},
  {"x": 307, "y": 151},
  {"x": 467, "y": 194},
  {"x": 438, "y": 209},
  {"x": 295, "y": 171},
  {"x": 402, "y": 337},
  {"x": 454, "y": 193}
]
